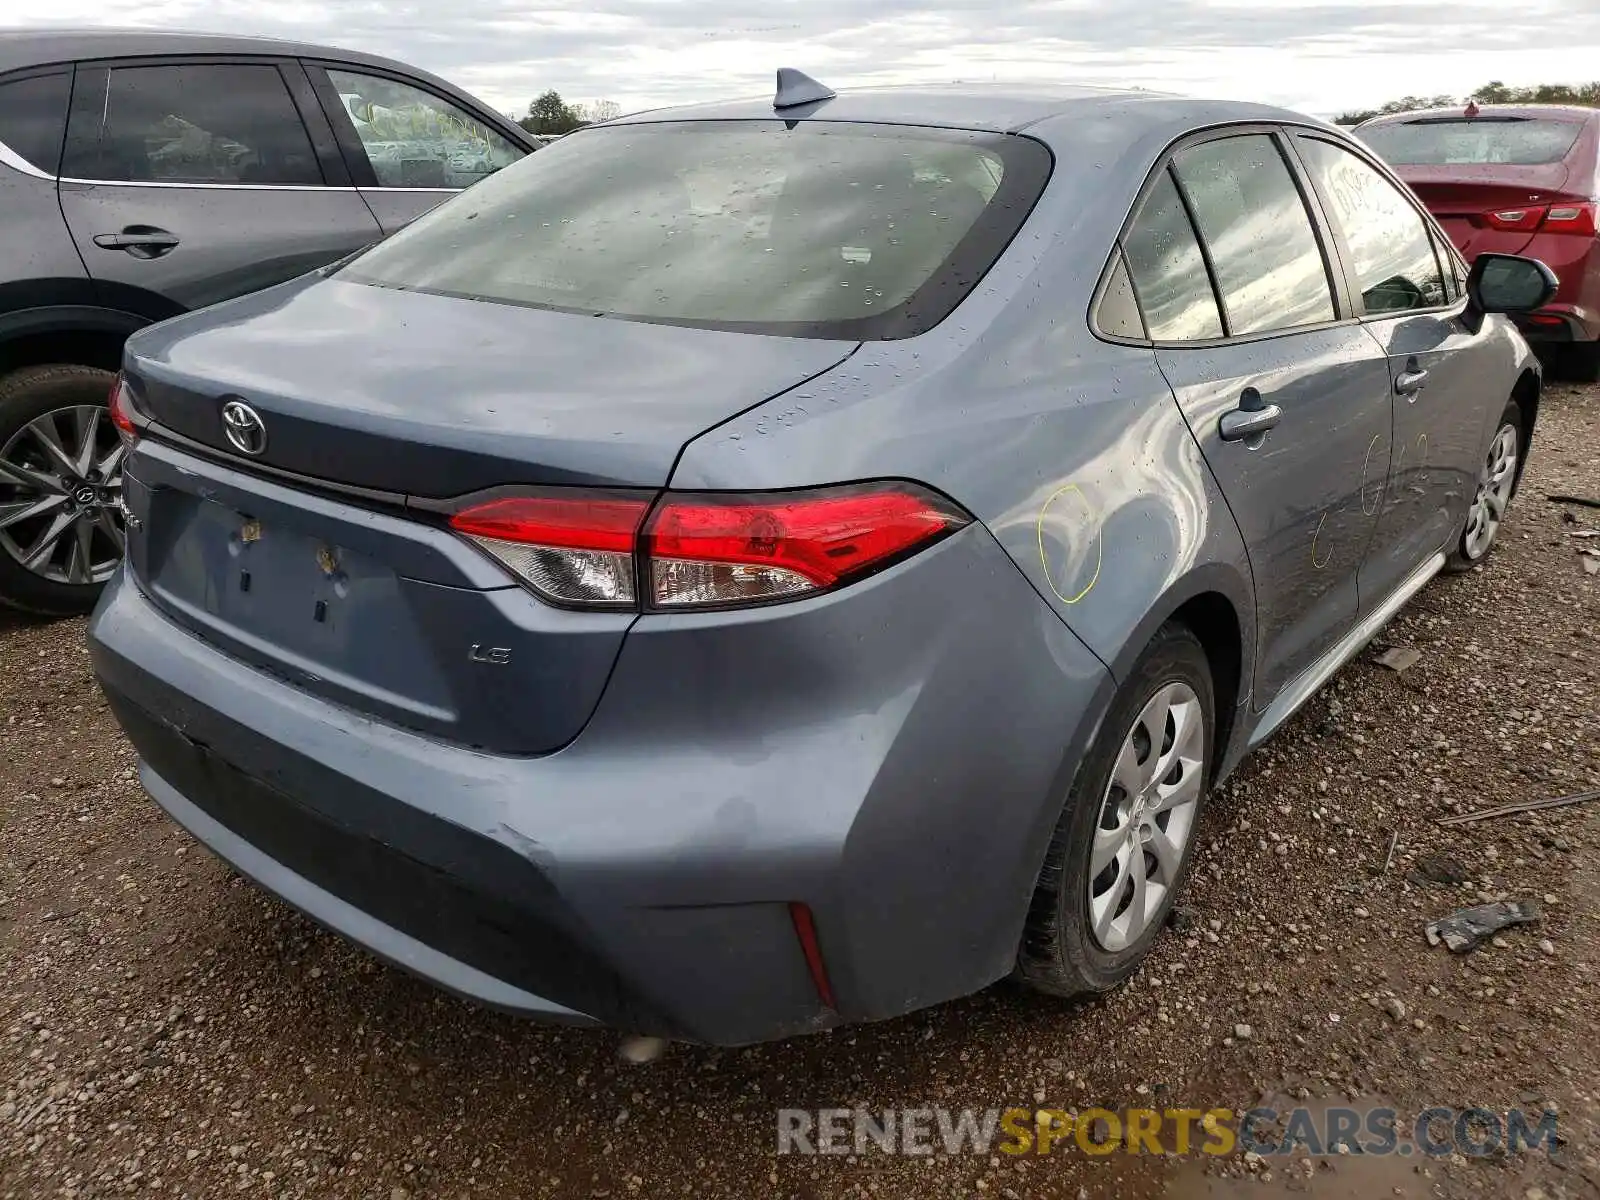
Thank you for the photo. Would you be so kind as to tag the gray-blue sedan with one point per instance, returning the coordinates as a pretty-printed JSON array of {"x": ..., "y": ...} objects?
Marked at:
[{"x": 754, "y": 567}]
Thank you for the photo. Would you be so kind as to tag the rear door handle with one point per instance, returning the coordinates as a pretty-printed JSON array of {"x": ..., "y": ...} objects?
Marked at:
[
  {"x": 141, "y": 241},
  {"x": 1251, "y": 419},
  {"x": 1411, "y": 381}
]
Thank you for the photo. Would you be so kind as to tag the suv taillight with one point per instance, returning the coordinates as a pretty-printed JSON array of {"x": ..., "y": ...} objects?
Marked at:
[
  {"x": 120, "y": 403},
  {"x": 705, "y": 550}
]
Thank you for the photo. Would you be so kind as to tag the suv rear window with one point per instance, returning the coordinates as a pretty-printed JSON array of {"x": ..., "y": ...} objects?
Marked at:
[
  {"x": 1441, "y": 141},
  {"x": 820, "y": 230}
]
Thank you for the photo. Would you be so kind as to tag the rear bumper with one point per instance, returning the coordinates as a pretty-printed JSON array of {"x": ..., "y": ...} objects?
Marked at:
[
  {"x": 1559, "y": 324},
  {"x": 902, "y": 784}
]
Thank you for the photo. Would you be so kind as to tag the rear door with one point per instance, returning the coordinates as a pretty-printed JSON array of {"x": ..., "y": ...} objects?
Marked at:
[
  {"x": 1288, "y": 400},
  {"x": 199, "y": 179},
  {"x": 1409, "y": 301},
  {"x": 408, "y": 147}
]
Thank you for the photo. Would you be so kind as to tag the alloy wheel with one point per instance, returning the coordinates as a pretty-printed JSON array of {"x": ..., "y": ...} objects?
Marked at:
[
  {"x": 1147, "y": 817},
  {"x": 1495, "y": 483},
  {"x": 61, "y": 495}
]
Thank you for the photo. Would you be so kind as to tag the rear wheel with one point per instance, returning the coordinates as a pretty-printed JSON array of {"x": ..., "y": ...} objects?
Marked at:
[
  {"x": 1122, "y": 848},
  {"x": 1497, "y": 482},
  {"x": 60, "y": 487}
]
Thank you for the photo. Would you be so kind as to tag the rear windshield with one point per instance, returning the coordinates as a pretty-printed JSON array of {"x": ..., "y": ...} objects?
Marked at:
[
  {"x": 820, "y": 230},
  {"x": 1441, "y": 141}
]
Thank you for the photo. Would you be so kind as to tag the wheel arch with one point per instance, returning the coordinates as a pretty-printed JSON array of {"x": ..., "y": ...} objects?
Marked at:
[
  {"x": 73, "y": 321},
  {"x": 1215, "y": 602},
  {"x": 1525, "y": 395}
]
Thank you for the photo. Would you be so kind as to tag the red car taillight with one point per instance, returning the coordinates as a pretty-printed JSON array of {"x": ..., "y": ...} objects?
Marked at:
[
  {"x": 1555, "y": 218},
  {"x": 1572, "y": 218},
  {"x": 120, "y": 404},
  {"x": 705, "y": 550},
  {"x": 1524, "y": 219}
]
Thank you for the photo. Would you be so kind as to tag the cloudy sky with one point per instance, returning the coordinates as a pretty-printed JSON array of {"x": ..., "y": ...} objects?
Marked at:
[{"x": 1319, "y": 56}]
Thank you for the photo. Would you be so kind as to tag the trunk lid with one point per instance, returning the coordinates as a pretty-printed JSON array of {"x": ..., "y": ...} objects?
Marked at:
[
  {"x": 1460, "y": 195},
  {"x": 365, "y": 599},
  {"x": 435, "y": 396}
]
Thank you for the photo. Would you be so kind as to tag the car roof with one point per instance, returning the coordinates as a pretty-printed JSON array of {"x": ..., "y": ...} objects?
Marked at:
[
  {"x": 38, "y": 47},
  {"x": 993, "y": 107},
  {"x": 1564, "y": 112}
]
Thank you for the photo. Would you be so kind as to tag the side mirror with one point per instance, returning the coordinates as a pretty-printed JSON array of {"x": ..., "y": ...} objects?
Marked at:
[{"x": 1506, "y": 283}]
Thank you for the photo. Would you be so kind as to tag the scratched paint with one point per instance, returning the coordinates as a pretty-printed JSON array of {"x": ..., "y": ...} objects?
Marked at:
[
  {"x": 1069, "y": 506},
  {"x": 1315, "y": 561},
  {"x": 1366, "y": 465}
]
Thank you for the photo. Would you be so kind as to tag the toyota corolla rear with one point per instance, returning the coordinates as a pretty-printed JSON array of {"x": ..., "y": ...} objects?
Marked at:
[
  {"x": 1512, "y": 180},
  {"x": 416, "y": 632}
]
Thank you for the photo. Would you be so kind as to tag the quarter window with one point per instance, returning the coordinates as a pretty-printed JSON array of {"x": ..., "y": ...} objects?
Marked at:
[
  {"x": 414, "y": 139},
  {"x": 1269, "y": 267},
  {"x": 1391, "y": 250},
  {"x": 193, "y": 123},
  {"x": 33, "y": 119},
  {"x": 1169, "y": 272}
]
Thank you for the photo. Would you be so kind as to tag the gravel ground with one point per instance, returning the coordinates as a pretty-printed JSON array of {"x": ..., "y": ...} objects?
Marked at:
[{"x": 165, "y": 1027}]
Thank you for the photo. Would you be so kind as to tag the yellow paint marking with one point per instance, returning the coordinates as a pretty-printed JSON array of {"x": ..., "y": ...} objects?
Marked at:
[{"x": 1099, "y": 544}]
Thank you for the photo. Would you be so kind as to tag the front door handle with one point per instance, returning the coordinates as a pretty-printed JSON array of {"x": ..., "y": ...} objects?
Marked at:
[
  {"x": 1410, "y": 381},
  {"x": 141, "y": 241},
  {"x": 1251, "y": 419}
]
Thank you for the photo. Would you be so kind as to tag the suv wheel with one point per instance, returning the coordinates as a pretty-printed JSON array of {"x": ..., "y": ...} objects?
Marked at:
[
  {"x": 1122, "y": 848},
  {"x": 61, "y": 531}
]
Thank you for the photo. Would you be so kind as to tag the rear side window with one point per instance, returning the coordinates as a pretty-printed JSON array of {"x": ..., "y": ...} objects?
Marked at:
[
  {"x": 1441, "y": 141},
  {"x": 193, "y": 123},
  {"x": 1269, "y": 267},
  {"x": 33, "y": 118},
  {"x": 414, "y": 139},
  {"x": 1391, "y": 248},
  {"x": 826, "y": 229},
  {"x": 1168, "y": 269}
]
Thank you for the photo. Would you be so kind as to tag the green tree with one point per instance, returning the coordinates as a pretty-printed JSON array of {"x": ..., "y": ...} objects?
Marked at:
[
  {"x": 1586, "y": 94},
  {"x": 548, "y": 113}
]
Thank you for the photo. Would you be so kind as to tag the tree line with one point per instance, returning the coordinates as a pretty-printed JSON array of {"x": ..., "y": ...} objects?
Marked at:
[
  {"x": 1585, "y": 94},
  {"x": 548, "y": 113}
]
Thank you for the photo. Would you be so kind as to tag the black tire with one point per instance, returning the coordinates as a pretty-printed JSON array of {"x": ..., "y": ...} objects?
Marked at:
[
  {"x": 1059, "y": 953},
  {"x": 26, "y": 395},
  {"x": 1462, "y": 558}
]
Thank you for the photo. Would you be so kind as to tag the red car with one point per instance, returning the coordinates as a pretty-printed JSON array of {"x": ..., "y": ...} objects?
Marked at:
[{"x": 1514, "y": 179}]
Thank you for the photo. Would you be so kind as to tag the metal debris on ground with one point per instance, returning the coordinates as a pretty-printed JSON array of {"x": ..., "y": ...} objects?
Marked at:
[
  {"x": 1468, "y": 928},
  {"x": 1394, "y": 840},
  {"x": 1583, "y": 500},
  {"x": 1437, "y": 869},
  {"x": 1398, "y": 658},
  {"x": 1520, "y": 806}
]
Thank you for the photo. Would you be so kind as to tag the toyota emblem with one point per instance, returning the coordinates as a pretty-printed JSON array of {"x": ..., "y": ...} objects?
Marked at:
[{"x": 246, "y": 431}]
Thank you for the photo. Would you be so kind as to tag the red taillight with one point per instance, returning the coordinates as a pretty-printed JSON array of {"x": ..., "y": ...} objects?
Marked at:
[
  {"x": 738, "y": 549},
  {"x": 1576, "y": 219},
  {"x": 1552, "y": 218},
  {"x": 707, "y": 549},
  {"x": 570, "y": 549},
  {"x": 120, "y": 404},
  {"x": 1523, "y": 219}
]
